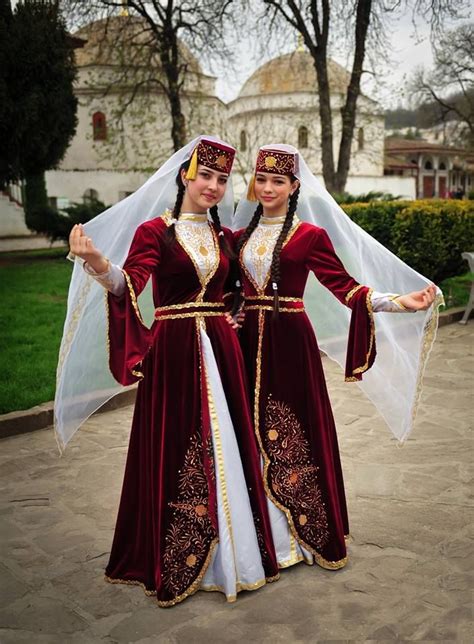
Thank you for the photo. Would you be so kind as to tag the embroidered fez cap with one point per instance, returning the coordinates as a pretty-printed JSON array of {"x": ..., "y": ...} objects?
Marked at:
[
  {"x": 213, "y": 155},
  {"x": 274, "y": 161}
]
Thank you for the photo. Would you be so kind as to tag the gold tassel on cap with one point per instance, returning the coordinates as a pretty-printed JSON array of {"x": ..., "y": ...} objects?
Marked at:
[
  {"x": 251, "y": 190},
  {"x": 192, "y": 170}
]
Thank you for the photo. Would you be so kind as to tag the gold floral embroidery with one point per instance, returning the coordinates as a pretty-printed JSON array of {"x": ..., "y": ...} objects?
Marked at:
[
  {"x": 191, "y": 533},
  {"x": 293, "y": 476}
]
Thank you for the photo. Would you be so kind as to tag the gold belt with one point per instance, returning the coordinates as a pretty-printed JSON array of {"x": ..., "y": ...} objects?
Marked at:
[
  {"x": 265, "y": 303},
  {"x": 189, "y": 310}
]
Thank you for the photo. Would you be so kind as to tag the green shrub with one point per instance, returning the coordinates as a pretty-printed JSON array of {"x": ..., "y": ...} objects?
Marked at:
[
  {"x": 429, "y": 235},
  {"x": 57, "y": 225},
  {"x": 377, "y": 218},
  {"x": 373, "y": 195}
]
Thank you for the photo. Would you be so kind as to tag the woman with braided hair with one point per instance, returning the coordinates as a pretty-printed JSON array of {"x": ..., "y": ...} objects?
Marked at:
[
  {"x": 292, "y": 412},
  {"x": 193, "y": 512}
]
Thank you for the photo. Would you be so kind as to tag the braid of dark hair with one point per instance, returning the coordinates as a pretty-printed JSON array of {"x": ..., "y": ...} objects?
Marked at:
[
  {"x": 170, "y": 235},
  {"x": 275, "y": 265},
  {"x": 238, "y": 298},
  {"x": 251, "y": 227},
  {"x": 223, "y": 243}
]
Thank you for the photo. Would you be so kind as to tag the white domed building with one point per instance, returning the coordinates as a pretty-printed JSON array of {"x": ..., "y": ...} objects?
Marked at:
[
  {"x": 279, "y": 103},
  {"x": 108, "y": 159}
]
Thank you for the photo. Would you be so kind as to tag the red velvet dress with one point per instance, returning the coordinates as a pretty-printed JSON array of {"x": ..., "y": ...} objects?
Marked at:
[
  {"x": 292, "y": 412},
  {"x": 168, "y": 523}
]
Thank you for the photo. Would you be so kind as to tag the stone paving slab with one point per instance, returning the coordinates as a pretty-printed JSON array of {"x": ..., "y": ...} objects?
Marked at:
[{"x": 409, "y": 576}]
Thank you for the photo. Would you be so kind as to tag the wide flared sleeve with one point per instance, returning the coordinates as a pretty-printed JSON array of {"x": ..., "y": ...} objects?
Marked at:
[
  {"x": 129, "y": 337},
  {"x": 330, "y": 271}
]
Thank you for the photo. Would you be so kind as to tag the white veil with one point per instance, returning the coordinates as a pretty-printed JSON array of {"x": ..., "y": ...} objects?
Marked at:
[
  {"x": 404, "y": 341},
  {"x": 83, "y": 381}
]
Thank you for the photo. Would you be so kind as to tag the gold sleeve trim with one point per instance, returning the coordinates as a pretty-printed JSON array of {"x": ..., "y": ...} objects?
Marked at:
[
  {"x": 365, "y": 366},
  {"x": 133, "y": 297},
  {"x": 352, "y": 292}
]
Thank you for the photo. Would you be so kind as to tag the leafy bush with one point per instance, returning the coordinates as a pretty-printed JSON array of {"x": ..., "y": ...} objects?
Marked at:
[
  {"x": 429, "y": 235},
  {"x": 57, "y": 225},
  {"x": 373, "y": 195}
]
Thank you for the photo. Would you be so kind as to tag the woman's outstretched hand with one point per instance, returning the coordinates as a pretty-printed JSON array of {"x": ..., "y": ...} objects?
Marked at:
[
  {"x": 82, "y": 246},
  {"x": 419, "y": 300}
]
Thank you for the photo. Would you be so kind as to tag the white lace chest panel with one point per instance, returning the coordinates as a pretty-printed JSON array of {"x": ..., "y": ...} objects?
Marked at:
[
  {"x": 258, "y": 251},
  {"x": 198, "y": 240}
]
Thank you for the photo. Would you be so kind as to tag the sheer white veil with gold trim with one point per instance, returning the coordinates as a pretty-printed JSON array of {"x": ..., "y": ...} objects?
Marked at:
[
  {"x": 84, "y": 382},
  {"x": 404, "y": 341}
]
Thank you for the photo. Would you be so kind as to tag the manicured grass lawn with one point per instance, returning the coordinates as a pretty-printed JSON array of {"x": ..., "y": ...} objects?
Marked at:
[
  {"x": 33, "y": 292},
  {"x": 456, "y": 289}
]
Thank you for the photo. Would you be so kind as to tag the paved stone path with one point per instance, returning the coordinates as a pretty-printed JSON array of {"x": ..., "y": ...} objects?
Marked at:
[{"x": 407, "y": 578}]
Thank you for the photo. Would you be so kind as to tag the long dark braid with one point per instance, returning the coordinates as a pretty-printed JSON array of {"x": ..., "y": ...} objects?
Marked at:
[
  {"x": 170, "y": 235},
  {"x": 223, "y": 243},
  {"x": 275, "y": 265},
  {"x": 238, "y": 299}
]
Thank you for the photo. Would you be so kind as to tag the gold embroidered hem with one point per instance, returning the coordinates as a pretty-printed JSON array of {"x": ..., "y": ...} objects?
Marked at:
[
  {"x": 193, "y": 588},
  {"x": 330, "y": 565},
  {"x": 294, "y": 560},
  {"x": 239, "y": 587}
]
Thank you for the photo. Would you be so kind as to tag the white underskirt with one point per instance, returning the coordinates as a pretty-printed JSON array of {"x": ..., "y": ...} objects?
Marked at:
[{"x": 236, "y": 563}]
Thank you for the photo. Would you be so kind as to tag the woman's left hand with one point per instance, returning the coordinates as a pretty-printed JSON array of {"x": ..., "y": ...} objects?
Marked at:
[
  {"x": 236, "y": 321},
  {"x": 419, "y": 300}
]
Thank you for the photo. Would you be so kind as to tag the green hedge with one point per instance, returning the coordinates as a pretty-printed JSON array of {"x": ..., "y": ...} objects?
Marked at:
[{"x": 429, "y": 235}]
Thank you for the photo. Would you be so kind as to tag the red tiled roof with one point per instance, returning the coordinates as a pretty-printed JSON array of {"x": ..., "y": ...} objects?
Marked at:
[{"x": 410, "y": 145}]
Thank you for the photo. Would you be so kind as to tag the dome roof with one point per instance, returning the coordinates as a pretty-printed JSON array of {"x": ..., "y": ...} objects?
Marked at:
[
  {"x": 293, "y": 73},
  {"x": 107, "y": 41}
]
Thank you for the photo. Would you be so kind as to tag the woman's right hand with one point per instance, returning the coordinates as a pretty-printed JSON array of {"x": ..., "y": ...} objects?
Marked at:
[{"x": 81, "y": 245}]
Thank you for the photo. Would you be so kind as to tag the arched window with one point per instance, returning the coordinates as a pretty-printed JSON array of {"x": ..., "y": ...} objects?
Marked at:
[
  {"x": 90, "y": 195},
  {"x": 99, "y": 126},
  {"x": 428, "y": 165},
  {"x": 303, "y": 137},
  {"x": 360, "y": 138},
  {"x": 442, "y": 165},
  {"x": 243, "y": 141}
]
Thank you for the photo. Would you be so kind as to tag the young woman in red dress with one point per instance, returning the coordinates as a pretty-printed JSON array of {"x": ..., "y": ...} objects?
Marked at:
[
  {"x": 278, "y": 249},
  {"x": 193, "y": 511}
]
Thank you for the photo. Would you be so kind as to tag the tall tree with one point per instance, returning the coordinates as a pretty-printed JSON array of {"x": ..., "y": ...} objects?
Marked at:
[
  {"x": 39, "y": 112},
  {"x": 450, "y": 83},
  {"x": 158, "y": 37},
  {"x": 318, "y": 22}
]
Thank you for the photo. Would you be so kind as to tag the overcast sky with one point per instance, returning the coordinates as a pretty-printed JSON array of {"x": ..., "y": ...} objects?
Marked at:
[{"x": 408, "y": 49}]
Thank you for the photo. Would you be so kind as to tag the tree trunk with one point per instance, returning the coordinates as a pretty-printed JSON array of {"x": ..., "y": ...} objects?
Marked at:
[
  {"x": 325, "y": 117},
  {"x": 349, "y": 110},
  {"x": 171, "y": 66}
]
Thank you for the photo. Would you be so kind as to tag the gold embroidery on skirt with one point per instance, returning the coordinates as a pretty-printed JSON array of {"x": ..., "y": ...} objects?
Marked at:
[
  {"x": 191, "y": 532},
  {"x": 294, "y": 478}
]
